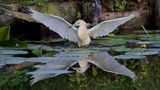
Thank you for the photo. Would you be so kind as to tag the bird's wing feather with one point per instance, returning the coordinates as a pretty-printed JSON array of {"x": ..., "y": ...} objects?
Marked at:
[
  {"x": 56, "y": 24},
  {"x": 107, "y": 63},
  {"x": 108, "y": 26}
]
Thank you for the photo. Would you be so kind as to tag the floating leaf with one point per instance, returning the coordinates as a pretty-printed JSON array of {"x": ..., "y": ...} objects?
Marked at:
[
  {"x": 37, "y": 51},
  {"x": 44, "y": 47},
  {"x": 127, "y": 57},
  {"x": 9, "y": 59},
  {"x": 12, "y": 52},
  {"x": 145, "y": 53}
]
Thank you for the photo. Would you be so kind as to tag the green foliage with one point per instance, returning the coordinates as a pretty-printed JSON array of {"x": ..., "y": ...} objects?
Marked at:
[
  {"x": 118, "y": 2},
  {"x": 80, "y": 1},
  {"x": 13, "y": 43},
  {"x": 37, "y": 51},
  {"x": 117, "y": 5},
  {"x": 67, "y": 11},
  {"x": 2, "y": 11},
  {"x": 4, "y": 33},
  {"x": 24, "y": 1},
  {"x": 14, "y": 81},
  {"x": 79, "y": 15},
  {"x": 120, "y": 5},
  {"x": 41, "y": 1},
  {"x": 30, "y": 1},
  {"x": 53, "y": 9},
  {"x": 94, "y": 71}
]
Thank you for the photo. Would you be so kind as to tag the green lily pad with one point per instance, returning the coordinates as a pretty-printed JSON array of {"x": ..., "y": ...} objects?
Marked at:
[
  {"x": 140, "y": 42},
  {"x": 37, "y": 51},
  {"x": 127, "y": 57},
  {"x": 145, "y": 53},
  {"x": 12, "y": 52},
  {"x": 124, "y": 49}
]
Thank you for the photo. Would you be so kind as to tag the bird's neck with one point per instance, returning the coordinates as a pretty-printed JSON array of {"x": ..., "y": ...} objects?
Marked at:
[{"x": 82, "y": 27}]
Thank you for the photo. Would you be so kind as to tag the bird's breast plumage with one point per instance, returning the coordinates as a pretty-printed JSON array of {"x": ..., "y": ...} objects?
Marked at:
[{"x": 83, "y": 35}]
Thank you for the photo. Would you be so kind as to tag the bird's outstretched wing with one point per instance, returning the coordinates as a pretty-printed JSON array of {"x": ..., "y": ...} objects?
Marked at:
[
  {"x": 56, "y": 24},
  {"x": 108, "y": 26},
  {"x": 107, "y": 63}
]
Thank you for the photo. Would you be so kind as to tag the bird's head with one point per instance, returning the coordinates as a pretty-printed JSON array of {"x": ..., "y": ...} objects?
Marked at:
[{"x": 80, "y": 23}]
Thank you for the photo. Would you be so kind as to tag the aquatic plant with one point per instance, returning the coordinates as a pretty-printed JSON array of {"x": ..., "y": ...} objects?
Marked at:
[{"x": 4, "y": 33}]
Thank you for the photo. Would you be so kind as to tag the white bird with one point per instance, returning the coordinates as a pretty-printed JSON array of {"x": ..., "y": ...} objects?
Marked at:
[{"x": 81, "y": 35}]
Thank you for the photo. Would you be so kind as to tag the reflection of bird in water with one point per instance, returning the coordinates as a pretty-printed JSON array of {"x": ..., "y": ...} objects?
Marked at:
[
  {"x": 100, "y": 59},
  {"x": 68, "y": 61},
  {"x": 78, "y": 32}
]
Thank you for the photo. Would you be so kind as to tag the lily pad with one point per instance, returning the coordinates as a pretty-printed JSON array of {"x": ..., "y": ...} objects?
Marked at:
[
  {"x": 44, "y": 47},
  {"x": 125, "y": 49},
  {"x": 127, "y": 57},
  {"x": 37, "y": 51},
  {"x": 110, "y": 41},
  {"x": 9, "y": 59},
  {"x": 155, "y": 46},
  {"x": 12, "y": 52},
  {"x": 145, "y": 53},
  {"x": 141, "y": 43}
]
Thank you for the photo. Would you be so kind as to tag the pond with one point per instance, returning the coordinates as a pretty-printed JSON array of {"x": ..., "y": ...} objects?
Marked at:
[{"x": 138, "y": 52}]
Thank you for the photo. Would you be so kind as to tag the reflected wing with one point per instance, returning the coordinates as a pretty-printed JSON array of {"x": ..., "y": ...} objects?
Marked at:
[
  {"x": 56, "y": 24},
  {"x": 44, "y": 74},
  {"x": 51, "y": 69},
  {"x": 108, "y": 26},
  {"x": 107, "y": 63}
]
